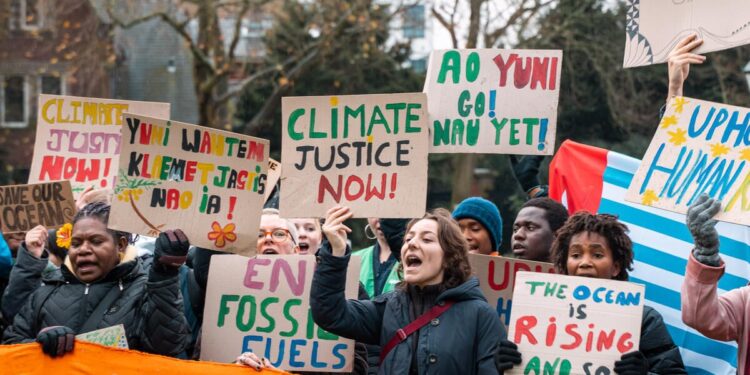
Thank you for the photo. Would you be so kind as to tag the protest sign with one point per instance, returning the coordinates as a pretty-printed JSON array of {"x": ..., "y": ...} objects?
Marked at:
[
  {"x": 574, "y": 325},
  {"x": 699, "y": 147},
  {"x": 88, "y": 358},
  {"x": 78, "y": 139},
  {"x": 367, "y": 152},
  {"x": 274, "y": 174},
  {"x": 111, "y": 336},
  {"x": 649, "y": 37},
  {"x": 25, "y": 206},
  {"x": 493, "y": 101},
  {"x": 207, "y": 182},
  {"x": 263, "y": 305},
  {"x": 497, "y": 277}
]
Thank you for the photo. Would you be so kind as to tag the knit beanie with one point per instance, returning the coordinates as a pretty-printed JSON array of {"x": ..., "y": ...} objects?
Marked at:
[{"x": 486, "y": 213}]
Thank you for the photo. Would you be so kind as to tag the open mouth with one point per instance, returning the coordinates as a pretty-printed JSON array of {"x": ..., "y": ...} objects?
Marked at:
[
  {"x": 413, "y": 261},
  {"x": 304, "y": 247},
  {"x": 85, "y": 266},
  {"x": 519, "y": 249},
  {"x": 270, "y": 251}
]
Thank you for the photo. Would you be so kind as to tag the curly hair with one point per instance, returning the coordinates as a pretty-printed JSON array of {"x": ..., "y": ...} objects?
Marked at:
[
  {"x": 555, "y": 213},
  {"x": 100, "y": 211},
  {"x": 456, "y": 267},
  {"x": 605, "y": 225}
]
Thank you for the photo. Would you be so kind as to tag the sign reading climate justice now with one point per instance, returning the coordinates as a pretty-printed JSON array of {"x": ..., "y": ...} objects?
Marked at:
[
  {"x": 207, "y": 182},
  {"x": 367, "y": 152},
  {"x": 574, "y": 325},
  {"x": 78, "y": 139},
  {"x": 497, "y": 277},
  {"x": 699, "y": 147},
  {"x": 262, "y": 305},
  {"x": 493, "y": 101},
  {"x": 22, "y": 207}
]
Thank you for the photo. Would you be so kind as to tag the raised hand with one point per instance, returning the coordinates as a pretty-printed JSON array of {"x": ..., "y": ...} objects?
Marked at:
[
  {"x": 702, "y": 227},
  {"x": 35, "y": 240},
  {"x": 679, "y": 61},
  {"x": 170, "y": 250},
  {"x": 335, "y": 230}
]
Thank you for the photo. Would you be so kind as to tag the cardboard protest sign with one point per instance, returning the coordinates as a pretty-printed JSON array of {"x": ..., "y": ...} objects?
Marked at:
[
  {"x": 574, "y": 325},
  {"x": 207, "y": 182},
  {"x": 493, "y": 101},
  {"x": 497, "y": 277},
  {"x": 367, "y": 152},
  {"x": 649, "y": 37},
  {"x": 111, "y": 336},
  {"x": 699, "y": 147},
  {"x": 262, "y": 305},
  {"x": 78, "y": 139},
  {"x": 274, "y": 175},
  {"x": 25, "y": 206}
]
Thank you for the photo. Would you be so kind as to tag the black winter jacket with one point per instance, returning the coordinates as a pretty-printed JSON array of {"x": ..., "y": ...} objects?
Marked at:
[
  {"x": 461, "y": 341},
  {"x": 656, "y": 344},
  {"x": 148, "y": 305}
]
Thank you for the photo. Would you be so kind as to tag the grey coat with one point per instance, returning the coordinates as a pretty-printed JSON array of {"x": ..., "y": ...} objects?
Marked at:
[
  {"x": 148, "y": 305},
  {"x": 461, "y": 341}
]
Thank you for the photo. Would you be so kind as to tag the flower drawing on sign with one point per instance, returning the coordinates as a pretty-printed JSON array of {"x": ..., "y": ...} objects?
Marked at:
[
  {"x": 649, "y": 197},
  {"x": 63, "y": 236},
  {"x": 130, "y": 190},
  {"x": 220, "y": 235}
]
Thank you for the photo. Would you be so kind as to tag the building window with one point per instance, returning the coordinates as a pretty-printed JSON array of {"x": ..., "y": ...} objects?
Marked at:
[
  {"x": 51, "y": 85},
  {"x": 14, "y": 102},
  {"x": 31, "y": 14},
  {"x": 419, "y": 65},
  {"x": 414, "y": 22}
]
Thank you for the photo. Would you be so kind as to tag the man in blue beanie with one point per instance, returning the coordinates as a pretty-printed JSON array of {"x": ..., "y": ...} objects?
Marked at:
[{"x": 481, "y": 224}]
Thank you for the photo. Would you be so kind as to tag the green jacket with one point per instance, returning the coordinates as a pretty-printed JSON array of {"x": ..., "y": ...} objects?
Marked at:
[{"x": 367, "y": 276}]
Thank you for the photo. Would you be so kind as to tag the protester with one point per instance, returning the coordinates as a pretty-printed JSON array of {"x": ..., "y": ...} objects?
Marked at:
[
  {"x": 107, "y": 285},
  {"x": 598, "y": 246},
  {"x": 277, "y": 235},
  {"x": 719, "y": 317},
  {"x": 309, "y": 233},
  {"x": 379, "y": 263},
  {"x": 535, "y": 227},
  {"x": 526, "y": 171},
  {"x": 437, "y": 280},
  {"x": 481, "y": 225}
]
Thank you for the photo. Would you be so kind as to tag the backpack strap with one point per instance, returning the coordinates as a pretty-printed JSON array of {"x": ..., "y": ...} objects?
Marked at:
[
  {"x": 96, "y": 316},
  {"x": 414, "y": 326}
]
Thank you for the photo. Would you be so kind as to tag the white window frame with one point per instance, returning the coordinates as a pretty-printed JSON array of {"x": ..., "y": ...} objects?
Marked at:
[
  {"x": 22, "y": 17},
  {"x": 26, "y": 93}
]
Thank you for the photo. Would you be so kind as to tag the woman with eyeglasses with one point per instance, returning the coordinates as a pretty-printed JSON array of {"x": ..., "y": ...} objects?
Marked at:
[{"x": 276, "y": 235}]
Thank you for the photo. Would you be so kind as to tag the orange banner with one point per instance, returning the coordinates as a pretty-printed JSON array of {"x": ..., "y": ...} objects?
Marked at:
[{"x": 89, "y": 358}]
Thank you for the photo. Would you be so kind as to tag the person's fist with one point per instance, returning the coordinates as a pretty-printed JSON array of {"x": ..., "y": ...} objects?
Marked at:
[
  {"x": 170, "y": 250},
  {"x": 335, "y": 230},
  {"x": 633, "y": 363},
  {"x": 702, "y": 227},
  {"x": 35, "y": 240},
  {"x": 507, "y": 355},
  {"x": 56, "y": 340}
]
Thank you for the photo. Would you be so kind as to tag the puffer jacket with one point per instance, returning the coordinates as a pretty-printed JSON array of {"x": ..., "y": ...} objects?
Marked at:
[
  {"x": 148, "y": 305},
  {"x": 461, "y": 341},
  {"x": 656, "y": 344}
]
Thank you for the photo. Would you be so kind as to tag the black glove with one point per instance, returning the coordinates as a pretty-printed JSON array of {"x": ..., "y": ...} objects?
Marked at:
[
  {"x": 526, "y": 170},
  {"x": 170, "y": 251},
  {"x": 507, "y": 355},
  {"x": 56, "y": 340},
  {"x": 394, "y": 231},
  {"x": 633, "y": 363}
]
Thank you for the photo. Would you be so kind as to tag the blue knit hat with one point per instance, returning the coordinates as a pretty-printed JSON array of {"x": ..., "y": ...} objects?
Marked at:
[{"x": 486, "y": 213}]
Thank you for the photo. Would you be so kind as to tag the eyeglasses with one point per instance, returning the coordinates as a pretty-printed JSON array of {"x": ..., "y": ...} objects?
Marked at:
[{"x": 278, "y": 235}]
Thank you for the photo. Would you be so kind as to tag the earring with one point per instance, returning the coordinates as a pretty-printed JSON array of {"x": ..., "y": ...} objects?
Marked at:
[{"x": 368, "y": 227}]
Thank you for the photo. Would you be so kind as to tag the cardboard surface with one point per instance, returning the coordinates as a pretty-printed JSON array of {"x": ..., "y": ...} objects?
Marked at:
[
  {"x": 653, "y": 28},
  {"x": 493, "y": 101},
  {"x": 497, "y": 276},
  {"x": 207, "y": 182},
  {"x": 263, "y": 305},
  {"x": 78, "y": 139},
  {"x": 22, "y": 207},
  {"x": 699, "y": 147},
  {"x": 367, "y": 152},
  {"x": 574, "y": 325}
]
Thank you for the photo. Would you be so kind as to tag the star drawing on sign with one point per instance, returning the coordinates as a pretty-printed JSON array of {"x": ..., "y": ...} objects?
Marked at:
[
  {"x": 649, "y": 197},
  {"x": 678, "y": 103},
  {"x": 677, "y": 137},
  {"x": 718, "y": 149},
  {"x": 668, "y": 121}
]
